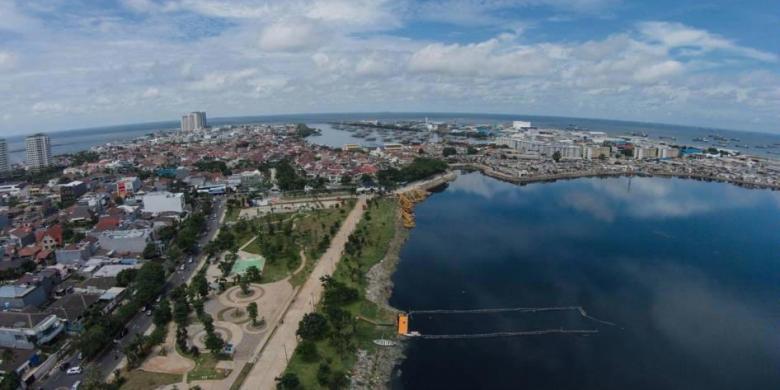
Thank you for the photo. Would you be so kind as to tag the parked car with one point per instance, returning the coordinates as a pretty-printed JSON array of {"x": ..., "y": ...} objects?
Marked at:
[
  {"x": 76, "y": 385},
  {"x": 74, "y": 370}
]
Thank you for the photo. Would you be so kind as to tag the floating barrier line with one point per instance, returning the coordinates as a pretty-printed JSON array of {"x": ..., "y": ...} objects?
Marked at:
[
  {"x": 506, "y": 334},
  {"x": 579, "y": 309}
]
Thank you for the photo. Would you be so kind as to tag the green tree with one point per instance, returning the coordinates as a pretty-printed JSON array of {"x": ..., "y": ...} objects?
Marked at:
[
  {"x": 174, "y": 254},
  {"x": 214, "y": 343},
  {"x": 449, "y": 151},
  {"x": 556, "y": 156},
  {"x": 244, "y": 285},
  {"x": 162, "y": 314},
  {"x": 313, "y": 326},
  {"x": 308, "y": 351},
  {"x": 251, "y": 309},
  {"x": 93, "y": 340},
  {"x": 288, "y": 381},
  {"x": 252, "y": 274},
  {"x": 181, "y": 312},
  {"x": 10, "y": 381},
  {"x": 151, "y": 251},
  {"x": 125, "y": 277},
  {"x": 149, "y": 282},
  {"x": 472, "y": 150},
  {"x": 324, "y": 374}
]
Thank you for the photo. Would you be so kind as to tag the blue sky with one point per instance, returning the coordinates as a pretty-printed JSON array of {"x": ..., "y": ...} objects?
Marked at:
[{"x": 80, "y": 63}]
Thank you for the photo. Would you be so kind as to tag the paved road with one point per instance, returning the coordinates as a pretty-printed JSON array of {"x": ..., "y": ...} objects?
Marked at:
[
  {"x": 272, "y": 362},
  {"x": 110, "y": 359}
]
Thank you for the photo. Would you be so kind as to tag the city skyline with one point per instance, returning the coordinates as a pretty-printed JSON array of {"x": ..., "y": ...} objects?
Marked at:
[{"x": 134, "y": 61}]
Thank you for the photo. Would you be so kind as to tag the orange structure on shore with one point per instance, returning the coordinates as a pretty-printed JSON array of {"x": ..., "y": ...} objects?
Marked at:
[
  {"x": 403, "y": 324},
  {"x": 407, "y": 200}
]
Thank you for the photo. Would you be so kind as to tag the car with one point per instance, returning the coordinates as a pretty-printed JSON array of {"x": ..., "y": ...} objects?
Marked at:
[
  {"x": 148, "y": 312},
  {"x": 74, "y": 370},
  {"x": 182, "y": 267},
  {"x": 158, "y": 299},
  {"x": 190, "y": 260},
  {"x": 76, "y": 385}
]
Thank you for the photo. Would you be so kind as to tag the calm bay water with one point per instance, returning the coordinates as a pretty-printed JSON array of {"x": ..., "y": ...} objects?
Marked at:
[{"x": 688, "y": 271}]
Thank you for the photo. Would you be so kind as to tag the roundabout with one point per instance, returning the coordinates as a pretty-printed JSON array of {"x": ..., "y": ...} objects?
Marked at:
[
  {"x": 235, "y": 297},
  {"x": 235, "y": 315}
]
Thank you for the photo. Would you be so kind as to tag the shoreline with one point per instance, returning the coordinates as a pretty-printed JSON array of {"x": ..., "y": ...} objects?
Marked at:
[
  {"x": 487, "y": 171},
  {"x": 377, "y": 369}
]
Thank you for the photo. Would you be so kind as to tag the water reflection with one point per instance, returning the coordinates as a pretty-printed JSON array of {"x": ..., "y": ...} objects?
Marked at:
[
  {"x": 689, "y": 270},
  {"x": 639, "y": 197}
]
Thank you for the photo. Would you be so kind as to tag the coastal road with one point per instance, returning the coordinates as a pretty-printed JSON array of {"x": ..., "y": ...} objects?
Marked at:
[
  {"x": 109, "y": 360},
  {"x": 272, "y": 357}
]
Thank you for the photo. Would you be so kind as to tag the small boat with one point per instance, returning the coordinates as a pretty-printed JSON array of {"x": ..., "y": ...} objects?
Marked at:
[{"x": 384, "y": 342}]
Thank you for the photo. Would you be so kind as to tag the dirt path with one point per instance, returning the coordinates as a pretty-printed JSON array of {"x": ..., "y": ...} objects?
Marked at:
[
  {"x": 273, "y": 356},
  {"x": 171, "y": 362}
]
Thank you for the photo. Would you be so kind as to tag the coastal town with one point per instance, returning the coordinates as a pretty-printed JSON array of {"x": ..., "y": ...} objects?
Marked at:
[{"x": 251, "y": 256}]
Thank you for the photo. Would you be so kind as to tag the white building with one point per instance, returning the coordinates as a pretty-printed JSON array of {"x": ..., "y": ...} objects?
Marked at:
[
  {"x": 591, "y": 152},
  {"x": 193, "y": 121},
  {"x": 124, "y": 241},
  {"x": 668, "y": 152},
  {"x": 4, "y": 162},
  {"x": 38, "y": 151},
  {"x": 645, "y": 152},
  {"x": 544, "y": 148},
  {"x": 28, "y": 330},
  {"x": 163, "y": 202},
  {"x": 520, "y": 125}
]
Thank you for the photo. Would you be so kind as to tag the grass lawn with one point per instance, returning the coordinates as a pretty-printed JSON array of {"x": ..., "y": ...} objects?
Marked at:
[
  {"x": 143, "y": 380},
  {"x": 232, "y": 213},
  {"x": 205, "y": 368},
  {"x": 281, "y": 237},
  {"x": 376, "y": 230}
]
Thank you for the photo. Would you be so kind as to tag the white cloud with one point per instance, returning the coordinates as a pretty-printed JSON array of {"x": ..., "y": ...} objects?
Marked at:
[
  {"x": 375, "y": 66},
  {"x": 487, "y": 59},
  {"x": 676, "y": 35},
  {"x": 151, "y": 93},
  {"x": 661, "y": 70},
  {"x": 232, "y": 56},
  {"x": 289, "y": 36},
  {"x": 7, "y": 59},
  {"x": 49, "y": 108},
  {"x": 218, "y": 81}
]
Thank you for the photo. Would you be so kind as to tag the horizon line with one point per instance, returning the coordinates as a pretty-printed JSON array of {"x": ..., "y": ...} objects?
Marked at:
[{"x": 219, "y": 118}]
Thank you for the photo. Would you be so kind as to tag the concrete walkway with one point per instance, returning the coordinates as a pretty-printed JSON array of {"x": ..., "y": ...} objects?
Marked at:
[{"x": 272, "y": 356}]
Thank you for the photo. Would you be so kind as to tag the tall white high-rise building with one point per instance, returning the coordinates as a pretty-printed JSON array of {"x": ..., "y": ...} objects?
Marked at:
[
  {"x": 38, "y": 151},
  {"x": 4, "y": 162},
  {"x": 193, "y": 121}
]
